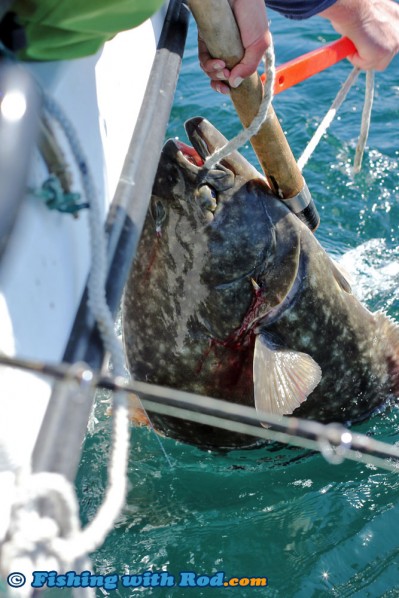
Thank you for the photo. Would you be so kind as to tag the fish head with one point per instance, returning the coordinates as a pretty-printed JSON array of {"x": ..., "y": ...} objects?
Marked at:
[
  {"x": 229, "y": 216},
  {"x": 215, "y": 197}
]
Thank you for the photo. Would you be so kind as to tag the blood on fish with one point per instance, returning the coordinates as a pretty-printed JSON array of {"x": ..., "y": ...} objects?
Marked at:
[{"x": 153, "y": 255}]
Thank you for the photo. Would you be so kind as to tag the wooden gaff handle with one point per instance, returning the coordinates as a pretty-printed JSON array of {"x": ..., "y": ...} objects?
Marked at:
[{"x": 218, "y": 28}]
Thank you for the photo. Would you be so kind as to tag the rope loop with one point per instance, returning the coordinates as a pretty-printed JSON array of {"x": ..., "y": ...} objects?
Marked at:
[{"x": 43, "y": 520}]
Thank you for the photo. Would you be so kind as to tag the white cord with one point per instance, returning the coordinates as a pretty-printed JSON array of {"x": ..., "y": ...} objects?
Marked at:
[
  {"x": 246, "y": 134},
  {"x": 365, "y": 126},
  {"x": 94, "y": 534},
  {"x": 55, "y": 541},
  {"x": 327, "y": 120}
]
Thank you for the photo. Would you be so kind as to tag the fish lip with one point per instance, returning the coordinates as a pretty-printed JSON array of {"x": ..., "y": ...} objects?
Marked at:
[
  {"x": 184, "y": 155},
  {"x": 190, "y": 154},
  {"x": 200, "y": 133},
  {"x": 205, "y": 139}
]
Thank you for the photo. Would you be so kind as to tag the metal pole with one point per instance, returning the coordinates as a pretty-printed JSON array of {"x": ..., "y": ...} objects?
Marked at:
[{"x": 129, "y": 207}]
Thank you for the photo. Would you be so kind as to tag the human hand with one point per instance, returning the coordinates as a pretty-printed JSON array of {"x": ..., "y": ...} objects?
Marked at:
[
  {"x": 372, "y": 25},
  {"x": 254, "y": 30}
]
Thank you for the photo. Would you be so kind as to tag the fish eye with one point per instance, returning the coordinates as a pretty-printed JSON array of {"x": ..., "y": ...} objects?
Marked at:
[{"x": 207, "y": 197}]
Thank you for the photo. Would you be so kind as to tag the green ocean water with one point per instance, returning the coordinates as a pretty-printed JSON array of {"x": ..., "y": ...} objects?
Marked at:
[{"x": 312, "y": 528}]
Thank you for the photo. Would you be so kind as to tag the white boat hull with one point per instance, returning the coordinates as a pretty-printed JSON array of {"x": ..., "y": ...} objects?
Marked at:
[{"x": 46, "y": 263}]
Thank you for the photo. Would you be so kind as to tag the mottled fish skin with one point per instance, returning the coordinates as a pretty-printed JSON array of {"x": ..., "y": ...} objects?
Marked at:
[{"x": 191, "y": 311}]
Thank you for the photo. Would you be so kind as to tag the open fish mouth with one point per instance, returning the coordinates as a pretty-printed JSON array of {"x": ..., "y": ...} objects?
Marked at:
[
  {"x": 207, "y": 184},
  {"x": 205, "y": 194},
  {"x": 190, "y": 154},
  {"x": 204, "y": 138}
]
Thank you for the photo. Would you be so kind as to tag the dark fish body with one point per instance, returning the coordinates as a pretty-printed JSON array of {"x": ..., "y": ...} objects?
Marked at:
[{"x": 231, "y": 296}]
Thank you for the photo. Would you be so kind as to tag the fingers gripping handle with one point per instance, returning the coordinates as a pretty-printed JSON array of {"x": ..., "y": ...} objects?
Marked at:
[{"x": 218, "y": 28}]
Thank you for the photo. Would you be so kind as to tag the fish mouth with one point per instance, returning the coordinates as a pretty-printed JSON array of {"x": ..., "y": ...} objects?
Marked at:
[
  {"x": 205, "y": 139},
  {"x": 190, "y": 154},
  {"x": 208, "y": 187},
  {"x": 208, "y": 184}
]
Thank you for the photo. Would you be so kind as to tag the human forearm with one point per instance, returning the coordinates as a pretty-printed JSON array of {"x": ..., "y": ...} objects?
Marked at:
[{"x": 372, "y": 25}]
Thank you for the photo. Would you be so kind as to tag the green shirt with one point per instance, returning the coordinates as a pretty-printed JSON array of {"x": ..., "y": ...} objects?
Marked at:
[{"x": 65, "y": 29}]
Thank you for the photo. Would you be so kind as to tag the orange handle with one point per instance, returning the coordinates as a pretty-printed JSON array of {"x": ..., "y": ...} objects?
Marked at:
[{"x": 310, "y": 64}]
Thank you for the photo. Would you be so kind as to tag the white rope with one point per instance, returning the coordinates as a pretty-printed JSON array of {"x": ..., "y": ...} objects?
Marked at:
[
  {"x": 44, "y": 515},
  {"x": 365, "y": 126},
  {"x": 329, "y": 117},
  {"x": 327, "y": 120},
  {"x": 246, "y": 134},
  {"x": 55, "y": 542},
  {"x": 95, "y": 533}
]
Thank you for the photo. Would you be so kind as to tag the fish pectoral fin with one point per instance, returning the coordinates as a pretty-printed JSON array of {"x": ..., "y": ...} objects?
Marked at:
[{"x": 283, "y": 379}]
